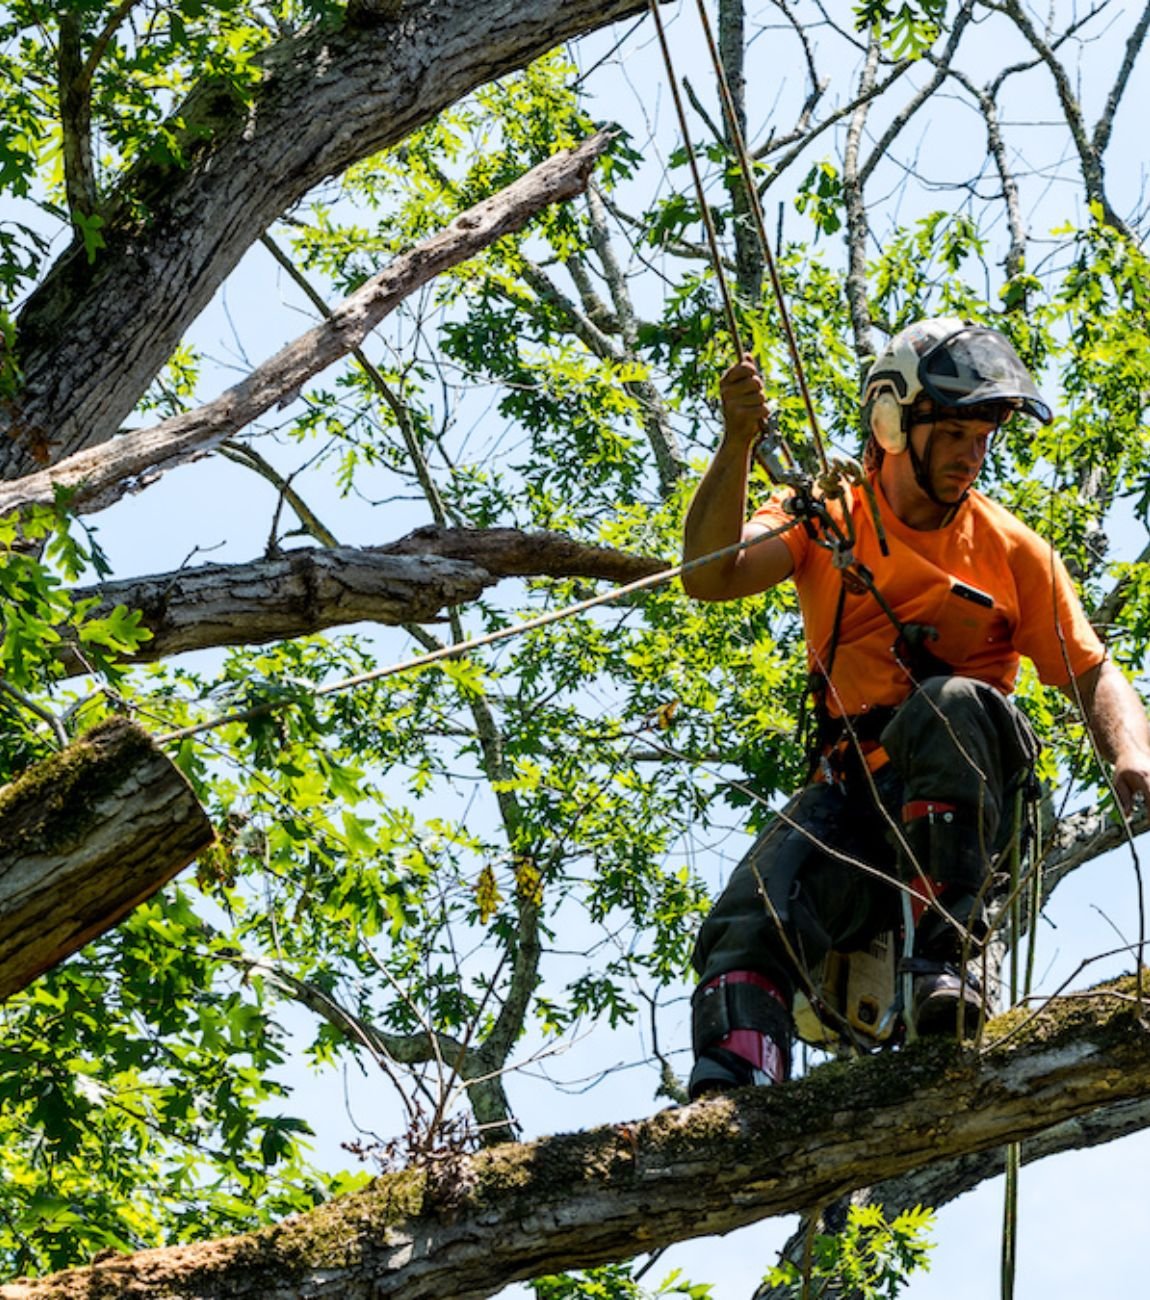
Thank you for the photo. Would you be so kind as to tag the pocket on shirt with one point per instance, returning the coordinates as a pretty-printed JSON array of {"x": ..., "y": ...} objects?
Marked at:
[{"x": 968, "y": 621}]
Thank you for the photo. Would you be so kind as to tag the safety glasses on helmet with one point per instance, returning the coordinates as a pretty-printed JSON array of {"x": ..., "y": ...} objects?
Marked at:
[{"x": 975, "y": 365}]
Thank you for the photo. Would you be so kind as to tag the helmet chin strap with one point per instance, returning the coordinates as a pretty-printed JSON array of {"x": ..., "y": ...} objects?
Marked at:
[{"x": 921, "y": 467}]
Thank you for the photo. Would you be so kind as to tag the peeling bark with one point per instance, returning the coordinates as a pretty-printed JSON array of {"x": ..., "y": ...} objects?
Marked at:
[
  {"x": 84, "y": 837},
  {"x": 465, "y": 1226}
]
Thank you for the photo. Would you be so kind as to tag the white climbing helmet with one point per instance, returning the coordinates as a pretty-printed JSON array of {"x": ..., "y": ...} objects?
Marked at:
[{"x": 954, "y": 364}]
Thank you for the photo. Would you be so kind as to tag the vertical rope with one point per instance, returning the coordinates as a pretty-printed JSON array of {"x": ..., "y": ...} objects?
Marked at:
[
  {"x": 1010, "y": 1221},
  {"x": 739, "y": 146},
  {"x": 1009, "y": 1266},
  {"x": 704, "y": 206}
]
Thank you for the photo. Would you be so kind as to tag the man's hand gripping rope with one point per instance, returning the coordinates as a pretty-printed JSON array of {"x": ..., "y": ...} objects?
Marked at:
[{"x": 747, "y": 414}]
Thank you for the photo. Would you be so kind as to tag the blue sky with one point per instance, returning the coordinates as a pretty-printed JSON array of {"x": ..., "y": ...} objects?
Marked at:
[{"x": 1081, "y": 1214}]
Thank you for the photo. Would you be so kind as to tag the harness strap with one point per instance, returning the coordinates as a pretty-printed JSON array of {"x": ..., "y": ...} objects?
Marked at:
[{"x": 932, "y": 808}]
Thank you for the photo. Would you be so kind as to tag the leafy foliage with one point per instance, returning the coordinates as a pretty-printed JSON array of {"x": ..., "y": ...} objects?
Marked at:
[
  {"x": 457, "y": 869},
  {"x": 871, "y": 1258},
  {"x": 616, "y": 1282},
  {"x": 908, "y": 29}
]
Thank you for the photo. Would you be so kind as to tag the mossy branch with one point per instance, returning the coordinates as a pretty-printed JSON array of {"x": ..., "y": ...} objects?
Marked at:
[
  {"x": 85, "y": 836},
  {"x": 518, "y": 1211}
]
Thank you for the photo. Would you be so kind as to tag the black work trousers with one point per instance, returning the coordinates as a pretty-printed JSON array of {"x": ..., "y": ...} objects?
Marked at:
[{"x": 819, "y": 876}]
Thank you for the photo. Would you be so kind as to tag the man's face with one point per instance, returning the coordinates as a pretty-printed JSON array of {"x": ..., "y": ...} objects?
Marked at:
[{"x": 951, "y": 449}]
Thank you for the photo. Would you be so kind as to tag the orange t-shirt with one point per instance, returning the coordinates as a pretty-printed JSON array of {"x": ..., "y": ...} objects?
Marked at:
[{"x": 992, "y": 588}]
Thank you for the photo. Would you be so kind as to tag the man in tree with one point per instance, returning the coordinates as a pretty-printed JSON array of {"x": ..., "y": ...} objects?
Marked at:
[{"x": 914, "y": 634}]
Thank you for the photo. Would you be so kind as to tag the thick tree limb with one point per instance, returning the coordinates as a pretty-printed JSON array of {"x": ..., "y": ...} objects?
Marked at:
[
  {"x": 468, "y": 1225},
  {"x": 411, "y": 580},
  {"x": 93, "y": 336},
  {"x": 102, "y": 475},
  {"x": 937, "y": 1185},
  {"x": 512, "y": 553},
  {"x": 84, "y": 837}
]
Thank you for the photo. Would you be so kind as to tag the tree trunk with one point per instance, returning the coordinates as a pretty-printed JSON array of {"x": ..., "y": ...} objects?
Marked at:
[
  {"x": 466, "y": 1225},
  {"x": 84, "y": 837},
  {"x": 95, "y": 334}
]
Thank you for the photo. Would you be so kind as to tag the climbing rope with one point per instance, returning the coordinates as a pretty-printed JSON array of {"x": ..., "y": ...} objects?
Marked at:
[{"x": 459, "y": 648}]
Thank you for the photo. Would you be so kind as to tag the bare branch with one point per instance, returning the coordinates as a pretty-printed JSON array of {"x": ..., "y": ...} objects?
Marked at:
[
  {"x": 247, "y": 456},
  {"x": 98, "y": 477},
  {"x": 1105, "y": 124},
  {"x": 922, "y": 97},
  {"x": 857, "y": 223},
  {"x": 1089, "y": 157},
  {"x": 996, "y": 144},
  {"x": 655, "y": 416}
]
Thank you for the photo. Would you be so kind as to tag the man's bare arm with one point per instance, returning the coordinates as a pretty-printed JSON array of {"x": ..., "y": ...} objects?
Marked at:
[
  {"x": 715, "y": 518},
  {"x": 1117, "y": 718}
]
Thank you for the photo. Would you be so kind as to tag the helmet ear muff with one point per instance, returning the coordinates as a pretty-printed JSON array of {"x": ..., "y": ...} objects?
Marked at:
[{"x": 886, "y": 423}]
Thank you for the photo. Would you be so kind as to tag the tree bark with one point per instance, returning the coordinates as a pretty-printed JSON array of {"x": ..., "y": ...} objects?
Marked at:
[
  {"x": 84, "y": 837},
  {"x": 938, "y": 1185},
  {"x": 100, "y": 476},
  {"x": 411, "y": 580},
  {"x": 95, "y": 334},
  {"x": 467, "y": 1225}
]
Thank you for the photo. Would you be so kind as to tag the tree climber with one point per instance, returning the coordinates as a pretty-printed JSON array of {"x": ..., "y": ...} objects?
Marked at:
[{"x": 913, "y": 642}]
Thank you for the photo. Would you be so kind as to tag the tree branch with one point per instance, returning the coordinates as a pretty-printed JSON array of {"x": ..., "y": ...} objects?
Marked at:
[
  {"x": 75, "y": 119},
  {"x": 84, "y": 837},
  {"x": 655, "y": 416},
  {"x": 95, "y": 334},
  {"x": 308, "y": 590},
  {"x": 468, "y": 1227},
  {"x": 1089, "y": 157},
  {"x": 1134, "y": 44},
  {"x": 241, "y": 454},
  {"x": 1015, "y": 261},
  {"x": 98, "y": 477},
  {"x": 938, "y": 1184}
]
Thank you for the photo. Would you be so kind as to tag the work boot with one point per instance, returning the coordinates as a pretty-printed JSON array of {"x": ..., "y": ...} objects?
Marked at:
[
  {"x": 946, "y": 998},
  {"x": 944, "y": 1001},
  {"x": 948, "y": 916},
  {"x": 741, "y": 1033}
]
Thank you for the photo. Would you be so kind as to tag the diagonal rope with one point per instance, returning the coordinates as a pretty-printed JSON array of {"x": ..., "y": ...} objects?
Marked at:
[{"x": 459, "y": 648}]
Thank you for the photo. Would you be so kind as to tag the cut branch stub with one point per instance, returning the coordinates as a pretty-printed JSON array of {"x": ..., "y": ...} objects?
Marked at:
[{"x": 84, "y": 837}]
